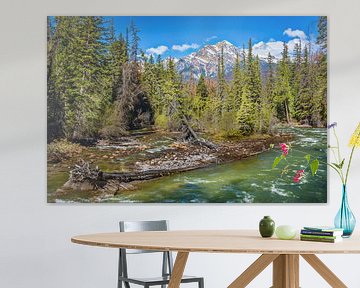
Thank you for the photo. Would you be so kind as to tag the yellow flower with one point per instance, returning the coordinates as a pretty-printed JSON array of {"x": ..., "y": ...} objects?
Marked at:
[{"x": 355, "y": 138}]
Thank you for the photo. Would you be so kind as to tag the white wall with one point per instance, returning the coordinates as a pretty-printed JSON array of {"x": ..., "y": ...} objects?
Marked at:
[{"x": 35, "y": 248}]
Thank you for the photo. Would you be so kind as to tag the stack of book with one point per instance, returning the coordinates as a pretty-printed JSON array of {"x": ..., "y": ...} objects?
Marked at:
[{"x": 321, "y": 234}]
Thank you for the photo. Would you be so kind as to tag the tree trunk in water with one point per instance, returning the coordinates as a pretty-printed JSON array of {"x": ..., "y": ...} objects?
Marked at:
[{"x": 82, "y": 172}]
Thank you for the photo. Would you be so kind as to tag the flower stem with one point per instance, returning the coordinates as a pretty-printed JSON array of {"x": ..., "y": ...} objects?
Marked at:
[
  {"x": 337, "y": 171},
  {"x": 333, "y": 151},
  {"x": 339, "y": 155},
  {"x": 351, "y": 156},
  {"x": 348, "y": 167},
  {"x": 338, "y": 145}
]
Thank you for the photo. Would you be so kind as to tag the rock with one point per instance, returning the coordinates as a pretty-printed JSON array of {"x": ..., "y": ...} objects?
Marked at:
[{"x": 82, "y": 186}]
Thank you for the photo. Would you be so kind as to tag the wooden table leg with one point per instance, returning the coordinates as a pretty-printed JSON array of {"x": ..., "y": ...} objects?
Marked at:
[
  {"x": 324, "y": 271},
  {"x": 178, "y": 269},
  {"x": 286, "y": 271},
  {"x": 293, "y": 264},
  {"x": 253, "y": 270}
]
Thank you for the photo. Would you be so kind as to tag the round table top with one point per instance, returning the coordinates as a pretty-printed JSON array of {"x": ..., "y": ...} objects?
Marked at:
[{"x": 219, "y": 241}]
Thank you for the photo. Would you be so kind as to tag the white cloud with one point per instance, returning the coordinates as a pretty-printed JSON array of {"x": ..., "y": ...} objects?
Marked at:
[
  {"x": 291, "y": 43},
  {"x": 295, "y": 33},
  {"x": 157, "y": 50},
  {"x": 184, "y": 47},
  {"x": 262, "y": 49},
  {"x": 275, "y": 48},
  {"x": 211, "y": 38}
]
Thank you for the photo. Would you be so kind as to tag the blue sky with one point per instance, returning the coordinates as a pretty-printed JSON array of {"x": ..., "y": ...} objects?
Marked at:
[{"x": 177, "y": 36}]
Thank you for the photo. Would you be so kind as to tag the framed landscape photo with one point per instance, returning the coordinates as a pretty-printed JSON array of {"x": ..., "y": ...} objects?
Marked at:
[{"x": 187, "y": 109}]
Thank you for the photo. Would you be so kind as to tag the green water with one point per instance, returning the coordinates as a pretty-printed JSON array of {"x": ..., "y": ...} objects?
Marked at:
[{"x": 247, "y": 181}]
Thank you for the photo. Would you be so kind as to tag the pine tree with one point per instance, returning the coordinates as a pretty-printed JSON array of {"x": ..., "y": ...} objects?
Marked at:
[
  {"x": 221, "y": 85},
  {"x": 270, "y": 79},
  {"x": 82, "y": 81},
  {"x": 202, "y": 92},
  {"x": 61, "y": 76},
  {"x": 296, "y": 79},
  {"x": 118, "y": 57},
  {"x": 245, "y": 116},
  {"x": 252, "y": 87},
  {"x": 253, "y": 75},
  {"x": 283, "y": 98},
  {"x": 231, "y": 104},
  {"x": 173, "y": 97},
  {"x": 96, "y": 79},
  {"x": 243, "y": 58},
  {"x": 93, "y": 81},
  {"x": 256, "y": 80},
  {"x": 149, "y": 82},
  {"x": 322, "y": 34},
  {"x": 305, "y": 94},
  {"x": 161, "y": 75},
  {"x": 319, "y": 93},
  {"x": 55, "y": 107},
  {"x": 267, "y": 107},
  {"x": 134, "y": 45},
  {"x": 321, "y": 79},
  {"x": 234, "y": 102},
  {"x": 132, "y": 107}
]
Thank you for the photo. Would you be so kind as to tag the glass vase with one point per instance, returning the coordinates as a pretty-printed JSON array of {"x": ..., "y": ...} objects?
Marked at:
[{"x": 345, "y": 219}]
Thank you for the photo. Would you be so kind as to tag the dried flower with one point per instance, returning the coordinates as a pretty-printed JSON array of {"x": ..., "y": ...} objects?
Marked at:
[
  {"x": 355, "y": 138},
  {"x": 332, "y": 125}
]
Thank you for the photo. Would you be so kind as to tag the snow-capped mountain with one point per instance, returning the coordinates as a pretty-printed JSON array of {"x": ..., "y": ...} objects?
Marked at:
[{"x": 205, "y": 60}]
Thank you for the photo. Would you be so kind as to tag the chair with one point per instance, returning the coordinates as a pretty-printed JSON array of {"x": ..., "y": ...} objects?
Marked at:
[{"x": 167, "y": 265}]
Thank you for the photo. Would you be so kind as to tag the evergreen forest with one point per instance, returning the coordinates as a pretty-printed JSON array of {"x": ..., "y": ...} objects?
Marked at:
[{"x": 101, "y": 85}]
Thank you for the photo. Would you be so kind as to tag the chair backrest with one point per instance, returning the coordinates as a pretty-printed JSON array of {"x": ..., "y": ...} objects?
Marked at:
[
  {"x": 137, "y": 226},
  {"x": 133, "y": 226}
]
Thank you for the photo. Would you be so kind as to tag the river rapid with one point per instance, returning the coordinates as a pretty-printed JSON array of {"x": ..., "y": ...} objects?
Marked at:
[{"x": 250, "y": 180}]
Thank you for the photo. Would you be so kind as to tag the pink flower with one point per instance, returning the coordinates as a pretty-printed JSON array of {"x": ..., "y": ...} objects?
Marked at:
[
  {"x": 285, "y": 149},
  {"x": 299, "y": 174}
]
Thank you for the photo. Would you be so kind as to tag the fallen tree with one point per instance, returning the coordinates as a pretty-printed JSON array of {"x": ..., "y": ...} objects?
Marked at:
[
  {"x": 95, "y": 178},
  {"x": 181, "y": 159},
  {"x": 146, "y": 175},
  {"x": 189, "y": 135}
]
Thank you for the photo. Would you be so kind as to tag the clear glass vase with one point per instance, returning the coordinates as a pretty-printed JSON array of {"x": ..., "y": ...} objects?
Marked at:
[{"x": 345, "y": 219}]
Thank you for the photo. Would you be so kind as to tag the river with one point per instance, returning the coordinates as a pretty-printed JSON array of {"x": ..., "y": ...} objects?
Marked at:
[{"x": 247, "y": 181}]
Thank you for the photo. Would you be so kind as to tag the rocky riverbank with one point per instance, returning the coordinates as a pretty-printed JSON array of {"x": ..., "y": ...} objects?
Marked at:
[{"x": 123, "y": 163}]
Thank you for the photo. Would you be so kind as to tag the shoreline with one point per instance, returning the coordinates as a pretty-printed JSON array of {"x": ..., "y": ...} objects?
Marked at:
[{"x": 149, "y": 160}]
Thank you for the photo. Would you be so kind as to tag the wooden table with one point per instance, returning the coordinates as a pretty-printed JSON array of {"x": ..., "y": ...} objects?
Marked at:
[{"x": 284, "y": 254}]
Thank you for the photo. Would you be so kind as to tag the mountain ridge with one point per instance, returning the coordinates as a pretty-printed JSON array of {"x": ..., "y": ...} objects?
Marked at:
[{"x": 205, "y": 61}]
